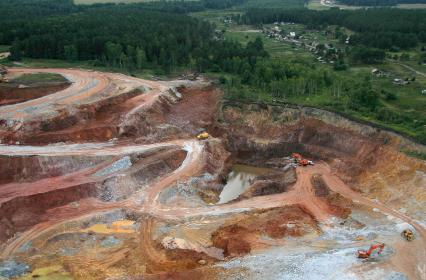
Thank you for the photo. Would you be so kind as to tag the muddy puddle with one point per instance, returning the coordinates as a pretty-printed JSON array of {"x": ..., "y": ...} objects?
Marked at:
[{"x": 239, "y": 180}]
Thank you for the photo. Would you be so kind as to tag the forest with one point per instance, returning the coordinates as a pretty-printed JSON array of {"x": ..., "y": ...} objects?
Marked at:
[
  {"x": 19, "y": 10},
  {"x": 122, "y": 36}
]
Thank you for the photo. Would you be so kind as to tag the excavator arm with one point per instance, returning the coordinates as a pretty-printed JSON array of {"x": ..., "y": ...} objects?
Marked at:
[{"x": 366, "y": 254}]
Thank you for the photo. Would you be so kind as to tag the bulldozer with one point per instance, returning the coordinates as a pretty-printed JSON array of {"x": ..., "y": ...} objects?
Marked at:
[
  {"x": 365, "y": 254},
  {"x": 203, "y": 136},
  {"x": 408, "y": 234}
]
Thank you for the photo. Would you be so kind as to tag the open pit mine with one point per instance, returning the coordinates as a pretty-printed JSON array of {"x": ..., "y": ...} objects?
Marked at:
[{"x": 103, "y": 177}]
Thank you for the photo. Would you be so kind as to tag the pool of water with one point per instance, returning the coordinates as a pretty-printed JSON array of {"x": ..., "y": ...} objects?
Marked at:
[{"x": 239, "y": 180}]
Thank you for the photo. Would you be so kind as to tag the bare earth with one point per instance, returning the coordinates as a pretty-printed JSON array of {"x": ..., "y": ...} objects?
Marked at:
[{"x": 105, "y": 179}]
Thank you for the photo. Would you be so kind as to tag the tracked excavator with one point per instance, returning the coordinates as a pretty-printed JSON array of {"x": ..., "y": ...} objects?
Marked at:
[
  {"x": 363, "y": 254},
  {"x": 300, "y": 160}
]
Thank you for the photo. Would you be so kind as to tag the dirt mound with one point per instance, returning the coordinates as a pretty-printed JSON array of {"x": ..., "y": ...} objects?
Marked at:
[
  {"x": 239, "y": 237},
  {"x": 234, "y": 240}
]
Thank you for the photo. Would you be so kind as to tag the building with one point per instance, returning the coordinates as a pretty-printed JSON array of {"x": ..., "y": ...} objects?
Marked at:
[
  {"x": 378, "y": 73},
  {"x": 399, "y": 82}
]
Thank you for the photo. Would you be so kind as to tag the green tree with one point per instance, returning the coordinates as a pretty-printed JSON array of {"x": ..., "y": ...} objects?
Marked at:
[
  {"x": 16, "y": 51},
  {"x": 363, "y": 96},
  {"x": 113, "y": 53},
  {"x": 140, "y": 58},
  {"x": 71, "y": 53}
]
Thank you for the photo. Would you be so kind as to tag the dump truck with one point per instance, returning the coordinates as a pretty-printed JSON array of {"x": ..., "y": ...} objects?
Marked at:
[
  {"x": 365, "y": 254},
  {"x": 203, "y": 136},
  {"x": 408, "y": 234}
]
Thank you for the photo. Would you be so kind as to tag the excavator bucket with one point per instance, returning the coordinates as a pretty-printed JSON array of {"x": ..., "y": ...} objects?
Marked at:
[
  {"x": 304, "y": 162},
  {"x": 362, "y": 254}
]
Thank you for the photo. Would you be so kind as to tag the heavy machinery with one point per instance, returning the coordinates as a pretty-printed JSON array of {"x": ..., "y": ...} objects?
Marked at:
[
  {"x": 203, "y": 136},
  {"x": 408, "y": 234},
  {"x": 300, "y": 160},
  {"x": 362, "y": 254}
]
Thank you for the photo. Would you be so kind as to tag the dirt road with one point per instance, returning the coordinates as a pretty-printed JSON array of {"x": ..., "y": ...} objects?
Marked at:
[
  {"x": 87, "y": 89},
  {"x": 407, "y": 67}
]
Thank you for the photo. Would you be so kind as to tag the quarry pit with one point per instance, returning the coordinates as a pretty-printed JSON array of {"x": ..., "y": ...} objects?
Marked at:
[{"x": 103, "y": 177}]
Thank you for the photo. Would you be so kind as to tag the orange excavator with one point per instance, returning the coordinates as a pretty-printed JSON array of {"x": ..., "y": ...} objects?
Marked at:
[
  {"x": 362, "y": 254},
  {"x": 300, "y": 160}
]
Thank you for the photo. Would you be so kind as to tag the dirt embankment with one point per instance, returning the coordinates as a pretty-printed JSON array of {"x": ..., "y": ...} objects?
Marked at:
[
  {"x": 13, "y": 94},
  {"x": 339, "y": 205}
]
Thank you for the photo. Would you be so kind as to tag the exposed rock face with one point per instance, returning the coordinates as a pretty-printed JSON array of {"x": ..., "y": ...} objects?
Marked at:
[
  {"x": 271, "y": 184},
  {"x": 366, "y": 157}
]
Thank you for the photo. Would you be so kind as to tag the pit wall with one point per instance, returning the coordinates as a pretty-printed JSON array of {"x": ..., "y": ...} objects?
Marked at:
[
  {"x": 141, "y": 121},
  {"x": 290, "y": 113},
  {"x": 22, "y": 212},
  {"x": 367, "y": 158},
  {"x": 31, "y": 168},
  {"x": 65, "y": 118}
]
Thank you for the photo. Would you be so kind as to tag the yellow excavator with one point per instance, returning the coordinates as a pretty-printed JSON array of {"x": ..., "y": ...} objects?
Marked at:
[{"x": 203, "y": 136}]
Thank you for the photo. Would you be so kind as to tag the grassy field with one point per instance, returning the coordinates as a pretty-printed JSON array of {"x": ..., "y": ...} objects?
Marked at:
[
  {"x": 274, "y": 4},
  {"x": 316, "y": 5},
  {"x": 411, "y": 6},
  {"x": 28, "y": 79},
  {"x": 89, "y": 2}
]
